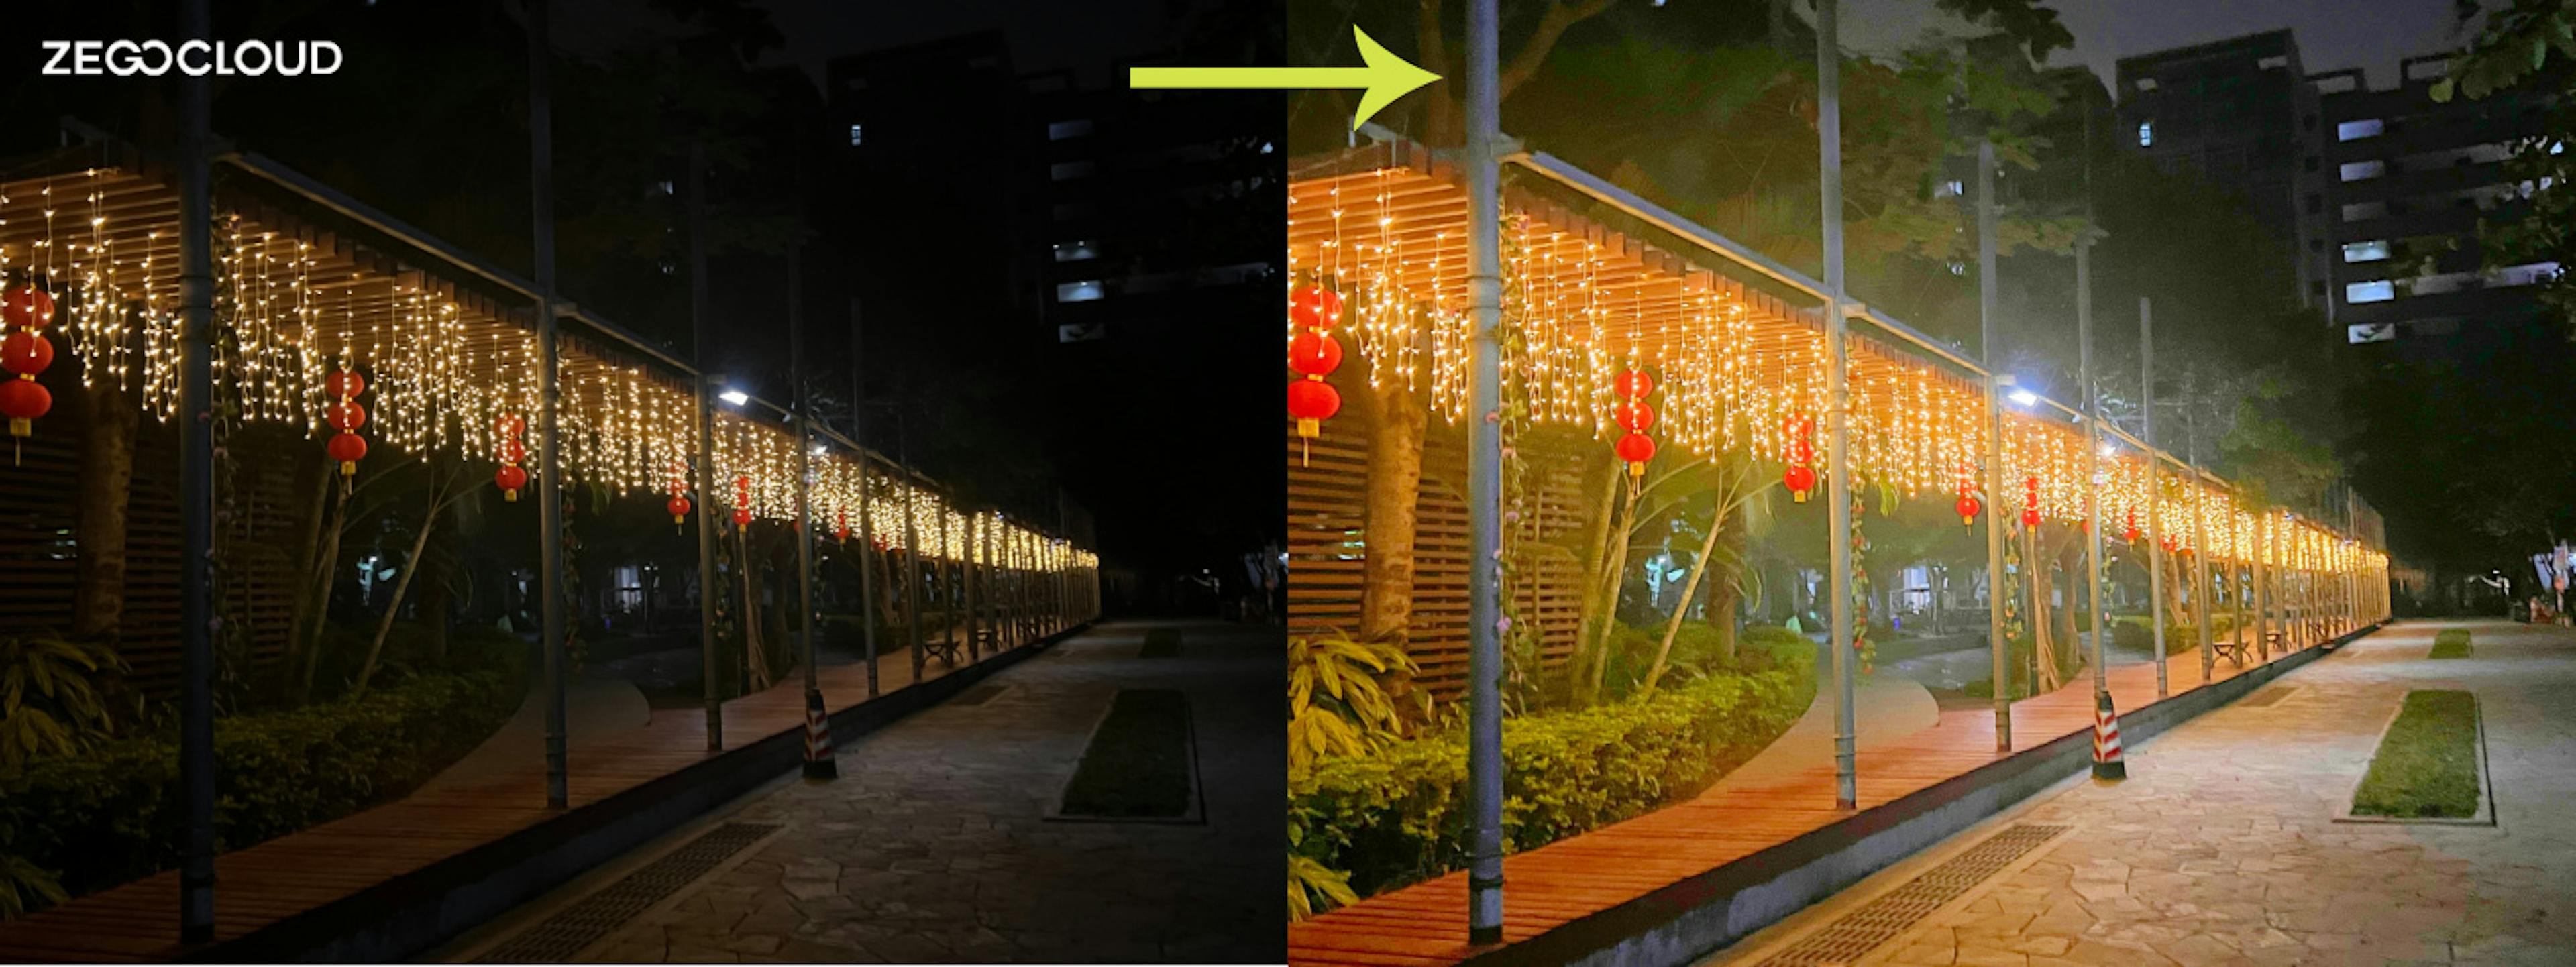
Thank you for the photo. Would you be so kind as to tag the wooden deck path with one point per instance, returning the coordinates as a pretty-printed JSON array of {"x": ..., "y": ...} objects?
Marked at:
[
  {"x": 1559, "y": 883},
  {"x": 268, "y": 882}
]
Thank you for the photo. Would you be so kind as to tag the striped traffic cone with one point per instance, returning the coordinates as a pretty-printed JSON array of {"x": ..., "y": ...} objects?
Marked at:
[
  {"x": 818, "y": 740},
  {"x": 2106, "y": 743}
]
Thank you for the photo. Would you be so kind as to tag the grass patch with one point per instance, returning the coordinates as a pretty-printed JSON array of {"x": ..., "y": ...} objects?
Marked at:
[
  {"x": 2427, "y": 766},
  {"x": 2451, "y": 643},
  {"x": 1138, "y": 765},
  {"x": 1161, "y": 643}
]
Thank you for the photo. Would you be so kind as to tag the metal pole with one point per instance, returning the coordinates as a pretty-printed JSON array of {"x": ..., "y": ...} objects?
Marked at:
[
  {"x": 2255, "y": 577},
  {"x": 1838, "y": 509},
  {"x": 2155, "y": 492},
  {"x": 1988, "y": 316},
  {"x": 197, "y": 497},
  {"x": 2092, "y": 466},
  {"x": 549, "y": 466},
  {"x": 2200, "y": 589},
  {"x": 701, "y": 338},
  {"x": 1484, "y": 477},
  {"x": 974, "y": 586},
  {"x": 911, "y": 549},
  {"x": 868, "y": 605},
  {"x": 819, "y": 763}
]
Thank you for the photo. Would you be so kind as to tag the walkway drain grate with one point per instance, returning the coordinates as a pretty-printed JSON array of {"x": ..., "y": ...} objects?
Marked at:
[
  {"x": 977, "y": 695},
  {"x": 2271, "y": 696},
  {"x": 593, "y": 917},
  {"x": 1844, "y": 941}
]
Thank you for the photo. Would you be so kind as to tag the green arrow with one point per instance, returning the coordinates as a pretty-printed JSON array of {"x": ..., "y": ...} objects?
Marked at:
[{"x": 1386, "y": 77}]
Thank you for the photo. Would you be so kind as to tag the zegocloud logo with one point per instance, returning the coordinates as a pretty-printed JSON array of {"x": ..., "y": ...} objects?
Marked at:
[{"x": 195, "y": 58}]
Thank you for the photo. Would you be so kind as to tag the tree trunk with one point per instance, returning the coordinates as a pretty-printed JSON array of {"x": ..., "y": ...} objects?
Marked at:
[
  {"x": 1605, "y": 598},
  {"x": 1690, "y": 588},
  {"x": 106, "y": 490},
  {"x": 438, "y": 496},
  {"x": 1394, "y": 496},
  {"x": 315, "y": 600},
  {"x": 755, "y": 670}
]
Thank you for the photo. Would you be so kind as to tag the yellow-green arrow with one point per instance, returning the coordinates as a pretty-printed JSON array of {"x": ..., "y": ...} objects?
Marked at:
[{"x": 1386, "y": 77}]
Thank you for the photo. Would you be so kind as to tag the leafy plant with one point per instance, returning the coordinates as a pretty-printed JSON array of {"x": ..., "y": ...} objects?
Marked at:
[
  {"x": 49, "y": 703},
  {"x": 25, "y": 886},
  {"x": 1342, "y": 696}
]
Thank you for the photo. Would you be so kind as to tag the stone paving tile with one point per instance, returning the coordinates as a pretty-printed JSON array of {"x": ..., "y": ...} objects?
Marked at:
[
  {"x": 932, "y": 846},
  {"x": 2220, "y": 849}
]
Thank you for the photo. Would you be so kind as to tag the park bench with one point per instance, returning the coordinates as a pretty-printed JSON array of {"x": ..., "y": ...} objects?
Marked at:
[{"x": 2229, "y": 648}]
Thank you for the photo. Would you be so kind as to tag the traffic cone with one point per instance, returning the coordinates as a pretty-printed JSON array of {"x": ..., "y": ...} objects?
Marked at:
[
  {"x": 2106, "y": 743},
  {"x": 818, "y": 740}
]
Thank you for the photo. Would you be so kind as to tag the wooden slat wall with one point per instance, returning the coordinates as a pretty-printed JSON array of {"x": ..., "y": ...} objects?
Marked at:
[
  {"x": 40, "y": 516},
  {"x": 1327, "y": 512}
]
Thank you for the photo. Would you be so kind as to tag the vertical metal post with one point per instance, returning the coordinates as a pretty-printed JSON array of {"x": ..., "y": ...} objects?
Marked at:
[
  {"x": 2092, "y": 466},
  {"x": 197, "y": 496},
  {"x": 549, "y": 401},
  {"x": 1484, "y": 477},
  {"x": 2255, "y": 579},
  {"x": 1988, "y": 322},
  {"x": 870, "y": 608},
  {"x": 819, "y": 763},
  {"x": 700, "y": 325},
  {"x": 911, "y": 555},
  {"x": 973, "y": 568},
  {"x": 1838, "y": 510},
  {"x": 2155, "y": 489}
]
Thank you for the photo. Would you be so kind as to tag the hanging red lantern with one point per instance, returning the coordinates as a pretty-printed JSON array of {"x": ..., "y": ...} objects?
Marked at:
[
  {"x": 1315, "y": 353},
  {"x": 510, "y": 478},
  {"x": 742, "y": 500},
  {"x": 1312, "y": 401},
  {"x": 679, "y": 508},
  {"x": 1632, "y": 384},
  {"x": 1636, "y": 449},
  {"x": 1635, "y": 416},
  {"x": 345, "y": 416},
  {"x": 742, "y": 517},
  {"x": 348, "y": 448},
  {"x": 1968, "y": 506},
  {"x": 27, "y": 307},
  {"x": 2030, "y": 502},
  {"x": 1800, "y": 479},
  {"x": 343, "y": 383},
  {"x": 2131, "y": 534},
  {"x": 26, "y": 353},
  {"x": 1315, "y": 307},
  {"x": 22, "y": 400},
  {"x": 841, "y": 525}
]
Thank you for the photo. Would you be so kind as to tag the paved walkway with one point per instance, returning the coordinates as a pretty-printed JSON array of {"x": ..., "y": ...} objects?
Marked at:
[
  {"x": 2219, "y": 849},
  {"x": 932, "y": 845}
]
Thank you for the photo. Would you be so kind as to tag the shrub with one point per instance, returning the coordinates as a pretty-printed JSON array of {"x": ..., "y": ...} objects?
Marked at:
[
  {"x": 1398, "y": 814},
  {"x": 105, "y": 817}
]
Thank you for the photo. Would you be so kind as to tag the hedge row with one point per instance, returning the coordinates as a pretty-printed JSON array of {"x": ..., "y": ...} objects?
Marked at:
[
  {"x": 1399, "y": 814},
  {"x": 112, "y": 814}
]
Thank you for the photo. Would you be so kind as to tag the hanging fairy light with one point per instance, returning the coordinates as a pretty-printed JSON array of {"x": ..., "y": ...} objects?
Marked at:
[
  {"x": 1635, "y": 417},
  {"x": 24, "y": 352},
  {"x": 346, "y": 416},
  {"x": 1314, "y": 354},
  {"x": 1800, "y": 478},
  {"x": 511, "y": 478}
]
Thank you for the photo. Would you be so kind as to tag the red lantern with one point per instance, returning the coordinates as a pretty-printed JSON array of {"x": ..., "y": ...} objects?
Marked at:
[
  {"x": 510, "y": 478},
  {"x": 1314, "y": 353},
  {"x": 1636, "y": 449},
  {"x": 2131, "y": 534},
  {"x": 1800, "y": 479},
  {"x": 742, "y": 517},
  {"x": 679, "y": 508},
  {"x": 1633, "y": 384},
  {"x": 26, "y": 353},
  {"x": 841, "y": 525},
  {"x": 1967, "y": 508},
  {"x": 346, "y": 416},
  {"x": 1635, "y": 416},
  {"x": 27, "y": 307},
  {"x": 1315, "y": 307},
  {"x": 1312, "y": 401},
  {"x": 348, "y": 448},
  {"x": 22, "y": 400},
  {"x": 343, "y": 383}
]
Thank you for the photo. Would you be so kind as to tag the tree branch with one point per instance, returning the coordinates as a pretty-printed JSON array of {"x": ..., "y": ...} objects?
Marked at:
[{"x": 1551, "y": 26}]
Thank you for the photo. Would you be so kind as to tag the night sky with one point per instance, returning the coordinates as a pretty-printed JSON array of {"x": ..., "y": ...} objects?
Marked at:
[{"x": 2332, "y": 34}]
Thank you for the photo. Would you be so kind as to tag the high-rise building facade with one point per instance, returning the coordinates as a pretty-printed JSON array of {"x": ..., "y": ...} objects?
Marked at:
[{"x": 2413, "y": 177}]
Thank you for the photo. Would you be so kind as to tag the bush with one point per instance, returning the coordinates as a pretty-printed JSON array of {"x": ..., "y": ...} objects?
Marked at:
[
  {"x": 1398, "y": 814},
  {"x": 106, "y": 817}
]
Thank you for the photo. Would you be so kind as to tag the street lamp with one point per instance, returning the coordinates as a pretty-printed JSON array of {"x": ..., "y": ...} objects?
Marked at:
[
  {"x": 2023, "y": 397},
  {"x": 734, "y": 397}
]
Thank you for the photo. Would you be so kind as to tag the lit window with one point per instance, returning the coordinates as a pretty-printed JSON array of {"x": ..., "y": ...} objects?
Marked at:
[
  {"x": 2365, "y": 251},
  {"x": 1076, "y": 251},
  {"x": 2276, "y": 60},
  {"x": 1061, "y": 130},
  {"x": 854, "y": 135},
  {"x": 2360, "y": 292},
  {"x": 2146, "y": 133},
  {"x": 2146, "y": 83},
  {"x": 2363, "y": 170},
  {"x": 1078, "y": 291},
  {"x": 2356, "y": 130},
  {"x": 1068, "y": 169}
]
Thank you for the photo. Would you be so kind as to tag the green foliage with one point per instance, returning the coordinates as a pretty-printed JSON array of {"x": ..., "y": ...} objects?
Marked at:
[
  {"x": 2427, "y": 764},
  {"x": 50, "y": 702},
  {"x": 1398, "y": 813},
  {"x": 104, "y": 817},
  {"x": 1343, "y": 695},
  {"x": 2451, "y": 643}
]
